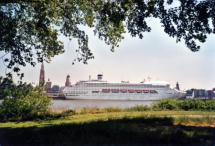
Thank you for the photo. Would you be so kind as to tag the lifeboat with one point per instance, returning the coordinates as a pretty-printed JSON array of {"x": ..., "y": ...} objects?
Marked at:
[
  {"x": 145, "y": 91},
  {"x": 152, "y": 91},
  {"x": 138, "y": 91},
  {"x": 115, "y": 90},
  {"x": 105, "y": 90},
  {"x": 123, "y": 90},
  {"x": 130, "y": 91},
  {"x": 95, "y": 91}
]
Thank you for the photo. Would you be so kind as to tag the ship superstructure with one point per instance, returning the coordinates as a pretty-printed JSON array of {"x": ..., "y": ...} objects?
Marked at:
[{"x": 102, "y": 90}]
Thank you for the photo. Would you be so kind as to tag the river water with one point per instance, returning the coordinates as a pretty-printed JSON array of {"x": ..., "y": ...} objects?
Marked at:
[{"x": 79, "y": 104}]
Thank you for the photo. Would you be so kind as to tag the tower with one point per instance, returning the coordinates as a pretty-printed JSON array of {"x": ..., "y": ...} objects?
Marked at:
[
  {"x": 68, "y": 81},
  {"x": 49, "y": 86},
  {"x": 177, "y": 86},
  {"x": 42, "y": 74}
]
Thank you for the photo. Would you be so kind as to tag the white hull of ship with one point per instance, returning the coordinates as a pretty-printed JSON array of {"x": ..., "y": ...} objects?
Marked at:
[{"x": 125, "y": 97}]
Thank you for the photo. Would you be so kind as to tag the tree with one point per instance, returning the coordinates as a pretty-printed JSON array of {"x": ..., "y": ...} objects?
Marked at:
[
  {"x": 6, "y": 85},
  {"x": 23, "y": 100},
  {"x": 30, "y": 28}
]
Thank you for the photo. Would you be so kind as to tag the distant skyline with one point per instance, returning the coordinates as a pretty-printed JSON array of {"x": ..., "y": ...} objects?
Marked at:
[{"x": 156, "y": 55}]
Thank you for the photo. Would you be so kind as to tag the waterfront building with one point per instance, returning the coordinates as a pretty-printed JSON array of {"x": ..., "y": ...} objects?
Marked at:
[
  {"x": 200, "y": 94},
  {"x": 49, "y": 86},
  {"x": 55, "y": 89},
  {"x": 211, "y": 94},
  {"x": 61, "y": 89},
  {"x": 68, "y": 81},
  {"x": 42, "y": 74}
]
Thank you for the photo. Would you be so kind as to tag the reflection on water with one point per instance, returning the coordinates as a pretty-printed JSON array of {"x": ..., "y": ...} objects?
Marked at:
[{"x": 78, "y": 104}]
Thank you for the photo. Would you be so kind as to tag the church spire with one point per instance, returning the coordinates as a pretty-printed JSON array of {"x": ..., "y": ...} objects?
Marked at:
[
  {"x": 42, "y": 66},
  {"x": 42, "y": 74}
]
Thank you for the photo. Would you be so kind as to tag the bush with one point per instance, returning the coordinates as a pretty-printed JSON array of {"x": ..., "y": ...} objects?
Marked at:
[
  {"x": 210, "y": 104},
  {"x": 187, "y": 104},
  {"x": 139, "y": 108},
  {"x": 68, "y": 112},
  {"x": 26, "y": 103},
  {"x": 84, "y": 110},
  {"x": 6, "y": 85},
  {"x": 113, "y": 109},
  {"x": 164, "y": 104}
]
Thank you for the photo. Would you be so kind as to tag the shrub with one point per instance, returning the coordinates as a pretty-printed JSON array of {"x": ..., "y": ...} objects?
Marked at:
[
  {"x": 84, "y": 110},
  {"x": 6, "y": 85},
  {"x": 187, "y": 104},
  {"x": 139, "y": 108},
  {"x": 164, "y": 104},
  {"x": 113, "y": 109},
  {"x": 68, "y": 112},
  {"x": 26, "y": 103},
  {"x": 210, "y": 104}
]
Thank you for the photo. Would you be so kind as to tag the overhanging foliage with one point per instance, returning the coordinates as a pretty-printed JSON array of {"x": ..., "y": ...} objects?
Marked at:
[{"x": 29, "y": 28}]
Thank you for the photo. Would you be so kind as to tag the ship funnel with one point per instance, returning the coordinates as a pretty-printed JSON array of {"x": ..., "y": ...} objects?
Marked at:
[
  {"x": 100, "y": 76},
  {"x": 89, "y": 77}
]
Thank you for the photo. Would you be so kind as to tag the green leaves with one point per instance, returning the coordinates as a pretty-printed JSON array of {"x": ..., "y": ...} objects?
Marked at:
[
  {"x": 28, "y": 32},
  {"x": 31, "y": 32},
  {"x": 187, "y": 104},
  {"x": 22, "y": 100}
]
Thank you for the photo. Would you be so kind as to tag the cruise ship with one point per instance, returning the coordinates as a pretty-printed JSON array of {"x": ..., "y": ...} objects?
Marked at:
[{"x": 99, "y": 89}]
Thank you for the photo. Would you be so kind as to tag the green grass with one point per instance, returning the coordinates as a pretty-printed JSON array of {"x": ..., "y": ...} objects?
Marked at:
[
  {"x": 80, "y": 118},
  {"x": 139, "y": 125},
  {"x": 119, "y": 128},
  {"x": 115, "y": 128}
]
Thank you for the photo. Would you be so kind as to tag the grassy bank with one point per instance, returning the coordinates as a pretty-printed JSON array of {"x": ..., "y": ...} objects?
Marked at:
[
  {"x": 15, "y": 112},
  {"x": 167, "y": 122},
  {"x": 80, "y": 118},
  {"x": 115, "y": 128}
]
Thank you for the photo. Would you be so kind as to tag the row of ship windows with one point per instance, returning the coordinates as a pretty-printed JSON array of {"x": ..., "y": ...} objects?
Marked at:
[
  {"x": 107, "y": 84},
  {"x": 106, "y": 95},
  {"x": 84, "y": 89},
  {"x": 138, "y": 86},
  {"x": 126, "y": 91},
  {"x": 114, "y": 91}
]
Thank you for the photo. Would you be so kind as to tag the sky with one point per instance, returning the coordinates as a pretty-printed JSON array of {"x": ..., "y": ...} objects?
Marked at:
[{"x": 156, "y": 55}]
